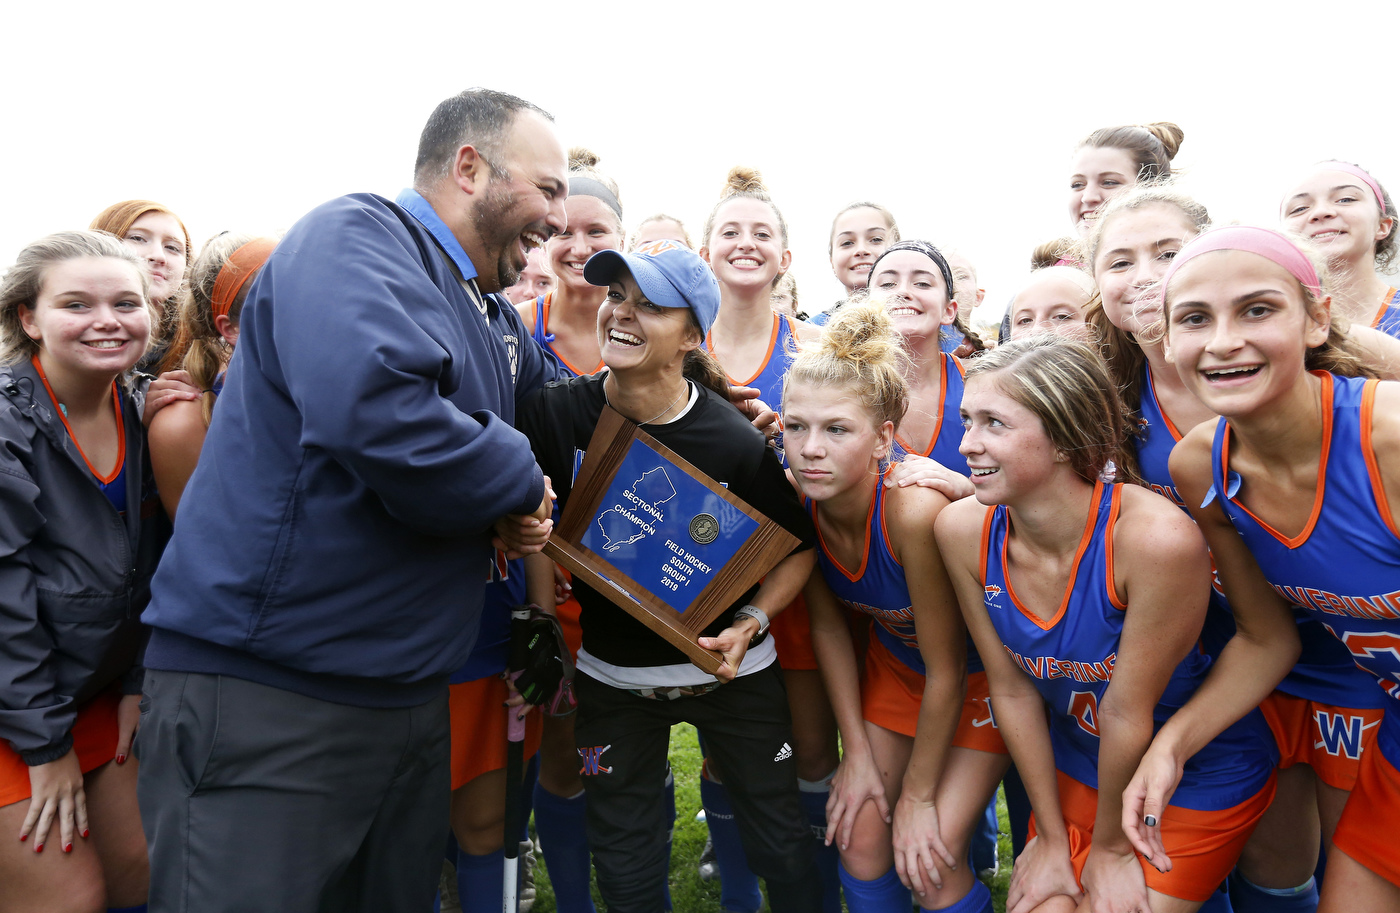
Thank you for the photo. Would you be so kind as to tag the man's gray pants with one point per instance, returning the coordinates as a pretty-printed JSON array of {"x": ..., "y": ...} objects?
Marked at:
[{"x": 259, "y": 799}]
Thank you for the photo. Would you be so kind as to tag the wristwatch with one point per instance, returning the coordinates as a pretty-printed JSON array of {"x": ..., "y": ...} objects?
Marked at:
[{"x": 757, "y": 614}]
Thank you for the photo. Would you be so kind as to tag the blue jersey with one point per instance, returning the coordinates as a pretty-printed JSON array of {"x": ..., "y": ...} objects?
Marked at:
[
  {"x": 504, "y": 591},
  {"x": 948, "y": 429},
  {"x": 878, "y": 586},
  {"x": 1071, "y": 658},
  {"x": 782, "y": 349},
  {"x": 1388, "y": 317},
  {"x": 1154, "y": 442},
  {"x": 1343, "y": 570},
  {"x": 1156, "y": 437},
  {"x": 546, "y": 338},
  {"x": 950, "y": 339}
]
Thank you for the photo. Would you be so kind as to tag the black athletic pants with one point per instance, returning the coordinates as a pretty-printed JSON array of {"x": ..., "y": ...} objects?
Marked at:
[{"x": 623, "y": 740}]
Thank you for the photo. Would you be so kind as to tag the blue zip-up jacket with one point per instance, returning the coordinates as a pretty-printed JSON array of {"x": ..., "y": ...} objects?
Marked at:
[
  {"x": 74, "y": 571},
  {"x": 334, "y": 539}
]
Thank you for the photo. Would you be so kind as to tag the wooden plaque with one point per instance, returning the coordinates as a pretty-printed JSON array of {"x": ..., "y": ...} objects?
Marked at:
[{"x": 659, "y": 538}]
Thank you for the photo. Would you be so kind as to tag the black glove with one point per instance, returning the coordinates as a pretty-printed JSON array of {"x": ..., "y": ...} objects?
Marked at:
[{"x": 538, "y": 652}]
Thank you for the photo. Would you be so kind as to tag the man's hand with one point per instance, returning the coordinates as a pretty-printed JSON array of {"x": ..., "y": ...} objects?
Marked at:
[{"x": 519, "y": 535}]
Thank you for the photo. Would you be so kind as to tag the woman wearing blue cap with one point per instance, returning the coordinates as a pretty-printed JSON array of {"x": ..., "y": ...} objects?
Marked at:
[{"x": 633, "y": 685}]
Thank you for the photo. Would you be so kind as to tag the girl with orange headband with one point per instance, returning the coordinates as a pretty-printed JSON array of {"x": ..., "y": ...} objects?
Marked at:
[
  {"x": 204, "y": 341},
  {"x": 163, "y": 244}
]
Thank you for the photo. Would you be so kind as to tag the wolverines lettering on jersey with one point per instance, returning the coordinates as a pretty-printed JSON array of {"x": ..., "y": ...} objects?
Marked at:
[
  {"x": 1384, "y": 605},
  {"x": 1047, "y": 667},
  {"x": 539, "y": 654}
]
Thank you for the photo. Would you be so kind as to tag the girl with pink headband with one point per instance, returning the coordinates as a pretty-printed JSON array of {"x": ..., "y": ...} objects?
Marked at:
[
  {"x": 204, "y": 339},
  {"x": 1294, "y": 488},
  {"x": 1347, "y": 214}
]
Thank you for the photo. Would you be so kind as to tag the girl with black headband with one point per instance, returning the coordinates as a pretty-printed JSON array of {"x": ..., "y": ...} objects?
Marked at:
[
  {"x": 913, "y": 281},
  {"x": 563, "y": 321}
]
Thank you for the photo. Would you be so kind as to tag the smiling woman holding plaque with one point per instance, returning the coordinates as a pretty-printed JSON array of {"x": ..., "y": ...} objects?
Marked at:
[{"x": 633, "y": 684}]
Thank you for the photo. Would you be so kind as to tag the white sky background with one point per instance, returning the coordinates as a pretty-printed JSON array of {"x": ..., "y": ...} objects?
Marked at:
[{"x": 245, "y": 116}]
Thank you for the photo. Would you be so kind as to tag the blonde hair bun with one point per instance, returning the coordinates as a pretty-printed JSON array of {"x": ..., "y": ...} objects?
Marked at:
[
  {"x": 582, "y": 158},
  {"x": 743, "y": 179}
]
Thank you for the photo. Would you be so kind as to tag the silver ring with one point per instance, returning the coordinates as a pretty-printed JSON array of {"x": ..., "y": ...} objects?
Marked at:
[{"x": 1149, "y": 820}]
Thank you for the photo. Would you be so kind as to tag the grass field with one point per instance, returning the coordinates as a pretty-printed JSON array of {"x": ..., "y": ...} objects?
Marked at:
[{"x": 688, "y": 893}]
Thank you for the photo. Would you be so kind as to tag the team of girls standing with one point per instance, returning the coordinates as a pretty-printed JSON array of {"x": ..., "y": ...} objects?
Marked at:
[
  {"x": 938, "y": 624},
  {"x": 76, "y": 560}
]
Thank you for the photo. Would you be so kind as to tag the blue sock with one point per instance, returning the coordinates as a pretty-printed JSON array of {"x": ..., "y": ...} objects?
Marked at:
[
  {"x": 814, "y": 795},
  {"x": 977, "y": 900},
  {"x": 1247, "y": 897},
  {"x": 562, "y": 826},
  {"x": 671, "y": 829},
  {"x": 738, "y": 887},
  {"x": 480, "y": 880},
  {"x": 139, "y": 908},
  {"x": 881, "y": 895}
]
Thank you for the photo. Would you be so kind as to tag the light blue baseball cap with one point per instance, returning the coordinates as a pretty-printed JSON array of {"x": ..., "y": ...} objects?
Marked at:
[{"x": 669, "y": 274}]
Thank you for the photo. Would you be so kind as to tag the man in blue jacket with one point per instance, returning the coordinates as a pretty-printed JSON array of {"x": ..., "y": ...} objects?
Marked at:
[{"x": 326, "y": 575}]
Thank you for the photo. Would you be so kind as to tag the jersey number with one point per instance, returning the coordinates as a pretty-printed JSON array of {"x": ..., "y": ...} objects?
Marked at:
[
  {"x": 1084, "y": 707},
  {"x": 1381, "y": 648}
]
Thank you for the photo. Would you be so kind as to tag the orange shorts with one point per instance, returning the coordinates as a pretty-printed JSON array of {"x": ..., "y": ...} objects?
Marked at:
[
  {"x": 1329, "y": 739},
  {"x": 891, "y": 694},
  {"x": 1203, "y": 846},
  {"x": 94, "y": 740},
  {"x": 479, "y": 728},
  {"x": 977, "y": 728},
  {"x": 792, "y": 637},
  {"x": 1363, "y": 832}
]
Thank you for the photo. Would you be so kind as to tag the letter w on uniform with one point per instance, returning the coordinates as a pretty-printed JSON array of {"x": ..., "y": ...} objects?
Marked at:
[
  {"x": 1341, "y": 734},
  {"x": 592, "y": 761}
]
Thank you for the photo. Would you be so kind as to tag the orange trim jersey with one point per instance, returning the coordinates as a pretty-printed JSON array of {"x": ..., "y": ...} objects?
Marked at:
[
  {"x": 546, "y": 338},
  {"x": 1343, "y": 569},
  {"x": 1070, "y": 659},
  {"x": 948, "y": 429},
  {"x": 1387, "y": 319},
  {"x": 113, "y": 483}
]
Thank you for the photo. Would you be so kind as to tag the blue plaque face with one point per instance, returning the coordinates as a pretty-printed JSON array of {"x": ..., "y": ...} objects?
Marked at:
[{"x": 664, "y": 529}]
